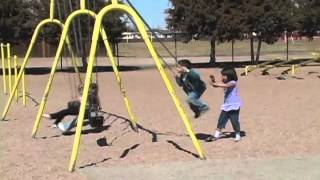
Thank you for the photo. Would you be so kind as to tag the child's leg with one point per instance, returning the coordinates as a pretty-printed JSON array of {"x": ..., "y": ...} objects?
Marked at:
[
  {"x": 61, "y": 114},
  {"x": 234, "y": 118},
  {"x": 223, "y": 119},
  {"x": 194, "y": 99},
  {"x": 193, "y": 108}
]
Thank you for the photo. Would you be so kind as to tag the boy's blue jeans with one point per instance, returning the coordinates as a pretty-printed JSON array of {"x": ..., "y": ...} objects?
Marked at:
[{"x": 194, "y": 100}]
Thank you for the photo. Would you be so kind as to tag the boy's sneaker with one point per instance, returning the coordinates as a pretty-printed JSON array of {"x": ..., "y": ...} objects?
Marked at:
[
  {"x": 238, "y": 137},
  {"x": 201, "y": 112}
]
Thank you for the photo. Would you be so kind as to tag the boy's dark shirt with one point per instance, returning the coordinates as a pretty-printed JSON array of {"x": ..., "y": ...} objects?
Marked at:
[{"x": 191, "y": 82}]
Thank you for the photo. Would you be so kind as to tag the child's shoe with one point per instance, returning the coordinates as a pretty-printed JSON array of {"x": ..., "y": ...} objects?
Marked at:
[
  {"x": 238, "y": 137},
  {"x": 201, "y": 112},
  {"x": 217, "y": 135},
  {"x": 46, "y": 116}
]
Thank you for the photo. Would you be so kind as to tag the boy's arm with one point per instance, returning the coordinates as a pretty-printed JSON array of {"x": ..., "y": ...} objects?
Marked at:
[
  {"x": 194, "y": 76},
  {"x": 178, "y": 80}
]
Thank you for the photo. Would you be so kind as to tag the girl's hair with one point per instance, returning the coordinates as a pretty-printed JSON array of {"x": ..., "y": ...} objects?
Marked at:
[
  {"x": 185, "y": 62},
  {"x": 230, "y": 73}
]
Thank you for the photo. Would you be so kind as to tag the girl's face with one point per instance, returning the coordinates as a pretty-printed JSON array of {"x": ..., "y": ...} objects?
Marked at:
[{"x": 224, "y": 78}]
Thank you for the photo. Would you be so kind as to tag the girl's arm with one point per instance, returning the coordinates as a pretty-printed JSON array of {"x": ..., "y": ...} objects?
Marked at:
[{"x": 223, "y": 85}]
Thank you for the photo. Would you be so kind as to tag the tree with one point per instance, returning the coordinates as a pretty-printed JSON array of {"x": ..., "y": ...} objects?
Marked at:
[
  {"x": 268, "y": 19},
  {"x": 15, "y": 20},
  {"x": 309, "y": 21},
  {"x": 231, "y": 22},
  {"x": 196, "y": 19}
]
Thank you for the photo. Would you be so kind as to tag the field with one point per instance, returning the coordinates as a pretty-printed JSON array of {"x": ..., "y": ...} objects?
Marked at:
[
  {"x": 279, "y": 120},
  {"x": 298, "y": 48},
  {"x": 241, "y": 48}
]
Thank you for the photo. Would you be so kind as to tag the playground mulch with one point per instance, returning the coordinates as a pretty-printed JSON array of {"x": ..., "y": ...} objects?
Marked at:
[{"x": 279, "y": 120}]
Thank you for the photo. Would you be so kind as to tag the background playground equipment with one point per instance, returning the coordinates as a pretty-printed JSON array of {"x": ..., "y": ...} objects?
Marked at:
[
  {"x": 4, "y": 67},
  {"x": 281, "y": 64},
  {"x": 9, "y": 69},
  {"x": 252, "y": 68},
  {"x": 159, "y": 63},
  {"x": 275, "y": 63},
  {"x": 35, "y": 35},
  {"x": 304, "y": 63},
  {"x": 82, "y": 11}
]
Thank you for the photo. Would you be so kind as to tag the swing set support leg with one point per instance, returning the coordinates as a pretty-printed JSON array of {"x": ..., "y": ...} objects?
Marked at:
[
  {"x": 64, "y": 38},
  {"x": 26, "y": 60},
  {"x": 159, "y": 63}
]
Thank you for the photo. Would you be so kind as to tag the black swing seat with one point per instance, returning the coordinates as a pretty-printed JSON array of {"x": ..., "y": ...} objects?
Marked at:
[{"x": 95, "y": 118}]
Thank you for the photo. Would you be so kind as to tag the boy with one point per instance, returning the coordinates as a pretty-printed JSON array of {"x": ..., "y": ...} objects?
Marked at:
[{"x": 192, "y": 85}]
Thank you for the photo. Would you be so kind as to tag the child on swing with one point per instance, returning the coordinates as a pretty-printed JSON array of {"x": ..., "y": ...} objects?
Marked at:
[
  {"x": 193, "y": 86},
  {"x": 232, "y": 102},
  {"x": 93, "y": 104}
]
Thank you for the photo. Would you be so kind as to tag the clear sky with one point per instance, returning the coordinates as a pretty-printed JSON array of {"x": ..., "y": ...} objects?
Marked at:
[{"x": 152, "y": 11}]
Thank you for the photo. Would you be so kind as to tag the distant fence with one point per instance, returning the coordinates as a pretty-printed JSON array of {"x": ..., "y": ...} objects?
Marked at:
[{"x": 137, "y": 48}]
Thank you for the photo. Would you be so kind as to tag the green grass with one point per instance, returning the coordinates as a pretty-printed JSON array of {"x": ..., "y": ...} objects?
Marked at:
[{"x": 202, "y": 48}]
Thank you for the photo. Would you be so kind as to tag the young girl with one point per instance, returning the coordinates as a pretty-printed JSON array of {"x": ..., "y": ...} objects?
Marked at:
[
  {"x": 193, "y": 86},
  {"x": 232, "y": 102}
]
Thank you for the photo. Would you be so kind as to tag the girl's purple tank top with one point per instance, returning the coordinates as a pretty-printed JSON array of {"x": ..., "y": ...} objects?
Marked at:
[{"x": 232, "y": 100}]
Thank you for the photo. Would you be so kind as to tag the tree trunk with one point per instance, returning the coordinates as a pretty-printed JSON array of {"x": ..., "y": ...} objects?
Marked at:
[
  {"x": 84, "y": 55},
  {"x": 287, "y": 46},
  {"x": 251, "y": 48},
  {"x": 258, "y": 50},
  {"x": 232, "y": 47},
  {"x": 213, "y": 50}
]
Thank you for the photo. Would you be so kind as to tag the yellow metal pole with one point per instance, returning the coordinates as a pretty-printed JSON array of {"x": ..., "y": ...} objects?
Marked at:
[
  {"x": 9, "y": 67},
  {"x": 63, "y": 38},
  {"x": 24, "y": 97},
  {"x": 246, "y": 70},
  {"x": 15, "y": 76},
  {"x": 114, "y": 1},
  {"x": 3, "y": 69},
  {"x": 293, "y": 70},
  {"x": 23, "y": 87},
  {"x": 26, "y": 59},
  {"x": 51, "y": 9},
  {"x": 82, "y": 4},
  {"x": 95, "y": 38}
]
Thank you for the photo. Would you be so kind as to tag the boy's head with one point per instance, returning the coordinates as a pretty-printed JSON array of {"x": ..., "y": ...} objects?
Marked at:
[
  {"x": 229, "y": 74},
  {"x": 185, "y": 63},
  {"x": 184, "y": 66}
]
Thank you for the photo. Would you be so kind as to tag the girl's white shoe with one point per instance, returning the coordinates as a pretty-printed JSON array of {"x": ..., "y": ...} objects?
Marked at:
[
  {"x": 217, "y": 134},
  {"x": 238, "y": 137}
]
